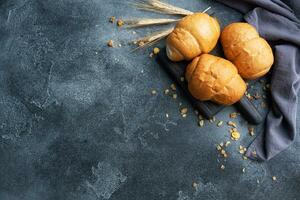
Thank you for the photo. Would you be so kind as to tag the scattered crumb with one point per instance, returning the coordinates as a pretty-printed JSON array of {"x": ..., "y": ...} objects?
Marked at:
[
  {"x": 201, "y": 123},
  {"x": 110, "y": 43},
  {"x": 153, "y": 92},
  {"x": 133, "y": 32},
  {"x": 274, "y": 178},
  {"x": 257, "y": 181},
  {"x": 167, "y": 115},
  {"x": 120, "y": 22},
  {"x": 251, "y": 131},
  {"x": 233, "y": 115},
  {"x": 243, "y": 170},
  {"x": 245, "y": 158},
  {"x": 166, "y": 91},
  {"x": 242, "y": 150},
  {"x": 183, "y": 111},
  {"x": 194, "y": 184},
  {"x": 227, "y": 143},
  {"x": 235, "y": 135},
  {"x": 174, "y": 96},
  {"x": 230, "y": 123},
  {"x": 151, "y": 55},
  {"x": 182, "y": 79},
  {"x": 220, "y": 123},
  {"x": 222, "y": 167},
  {"x": 112, "y": 19},
  {"x": 254, "y": 153},
  {"x": 156, "y": 50},
  {"x": 120, "y": 45},
  {"x": 173, "y": 87},
  {"x": 219, "y": 148},
  {"x": 213, "y": 119},
  {"x": 200, "y": 117}
]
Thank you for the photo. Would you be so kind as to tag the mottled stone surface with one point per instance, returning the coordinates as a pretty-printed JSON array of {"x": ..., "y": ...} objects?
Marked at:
[{"x": 78, "y": 121}]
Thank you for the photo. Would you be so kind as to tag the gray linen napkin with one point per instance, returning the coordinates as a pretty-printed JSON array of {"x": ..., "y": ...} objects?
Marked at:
[{"x": 278, "y": 22}]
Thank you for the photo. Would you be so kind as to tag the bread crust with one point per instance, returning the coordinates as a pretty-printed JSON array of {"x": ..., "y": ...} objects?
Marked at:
[
  {"x": 193, "y": 35},
  {"x": 250, "y": 53},
  {"x": 213, "y": 78}
]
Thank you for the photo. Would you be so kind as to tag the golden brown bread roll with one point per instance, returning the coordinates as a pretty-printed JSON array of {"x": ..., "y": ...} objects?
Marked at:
[
  {"x": 251, "y": 54},
  {"x": 213, "y": 78},
  {"x": 193, "y": 35}
]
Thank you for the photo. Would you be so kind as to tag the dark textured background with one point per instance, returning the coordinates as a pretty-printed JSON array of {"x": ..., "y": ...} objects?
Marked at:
[{"x": 78, "y": 120}]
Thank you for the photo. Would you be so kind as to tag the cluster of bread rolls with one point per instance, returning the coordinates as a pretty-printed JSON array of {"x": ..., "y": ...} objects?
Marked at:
[{"x": 213, "y": 78}]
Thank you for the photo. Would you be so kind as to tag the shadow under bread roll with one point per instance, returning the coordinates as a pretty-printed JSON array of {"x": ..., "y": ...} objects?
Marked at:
[
  {"x": 193, "y": 35},
  {"x": 250, "y": 53},
  {"x": 216, "y": 79}
]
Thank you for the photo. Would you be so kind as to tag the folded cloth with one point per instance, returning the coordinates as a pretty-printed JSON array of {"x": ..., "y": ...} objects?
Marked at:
[{"x": 278, "y": 22}]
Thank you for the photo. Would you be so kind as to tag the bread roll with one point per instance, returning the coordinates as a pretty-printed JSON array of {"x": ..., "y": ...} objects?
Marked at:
[
  {"x": 213, "y": 78},
  {"x": 193, "y": 35},
  {"x": 251, "y": 54}
]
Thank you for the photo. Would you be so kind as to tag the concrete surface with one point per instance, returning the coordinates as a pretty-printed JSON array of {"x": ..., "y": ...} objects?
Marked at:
[{"x": 78, "y": 120}]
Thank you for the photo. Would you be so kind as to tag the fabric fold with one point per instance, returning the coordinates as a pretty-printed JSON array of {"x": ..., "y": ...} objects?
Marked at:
[{"x": 276, "y": 21}]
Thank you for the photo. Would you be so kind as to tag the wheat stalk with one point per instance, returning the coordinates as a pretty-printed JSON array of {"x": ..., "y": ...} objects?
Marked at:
[
  {"x": 152, "y": 38},
  {"x": 132, "y": 23},
  {"x": 157, "y": 36},
  {"x": 160, "y": 7}
]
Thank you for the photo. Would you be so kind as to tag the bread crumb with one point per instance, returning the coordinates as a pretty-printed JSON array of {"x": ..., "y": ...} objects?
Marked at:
[
  {"x": 230, "y": 123},
  {"x": 182, "y": 79},
  {"x": 220, "y": 123},
  {"x": 112, "y": 19},
  {"x": 156, "y": 50},
  {"x": 222, "y": 167},
  {"x": 174, "y": 96},
  {"x": 227, "y": 143},
  {"x": 194, "y": 184},
  {"x": 110, "y": 43},
  {"x": 274, "y": 178},
  {"x": 235, "y": 135},
  {"x": 173, "y": 87},
  {"x": 183, "y": 111},
  {"x": 153, "y": 92},
  {"x": 120, "y": 22},
  {"x": 233, "y": 115},
  {"x": 201, "y": 123},
  {"x": 251, "y": 131}
]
